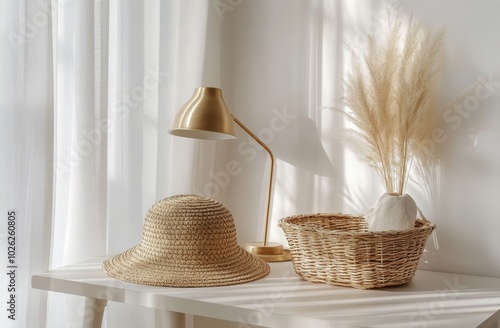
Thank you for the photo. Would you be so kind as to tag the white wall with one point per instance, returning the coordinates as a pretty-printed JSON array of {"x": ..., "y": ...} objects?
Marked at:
[
  {"x": 288, "y": 57},
  {"x": 467, "y": 205}
]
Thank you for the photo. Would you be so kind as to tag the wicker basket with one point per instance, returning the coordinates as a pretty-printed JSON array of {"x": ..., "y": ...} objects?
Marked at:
[{"x": 337, "y": 249}]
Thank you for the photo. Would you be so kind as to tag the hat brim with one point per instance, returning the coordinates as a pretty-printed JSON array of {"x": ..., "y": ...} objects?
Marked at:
[{"x": 132, "y": 266}]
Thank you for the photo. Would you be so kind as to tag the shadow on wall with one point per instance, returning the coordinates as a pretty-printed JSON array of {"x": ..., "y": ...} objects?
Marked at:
[{"x": 299, "y": 145}]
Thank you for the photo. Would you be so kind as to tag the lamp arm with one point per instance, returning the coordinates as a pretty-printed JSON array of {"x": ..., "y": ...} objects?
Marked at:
[{"x": 260, "y": 142}]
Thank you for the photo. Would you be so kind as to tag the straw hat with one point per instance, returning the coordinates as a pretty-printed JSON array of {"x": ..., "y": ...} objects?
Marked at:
[{"x": 187, "y": 241}]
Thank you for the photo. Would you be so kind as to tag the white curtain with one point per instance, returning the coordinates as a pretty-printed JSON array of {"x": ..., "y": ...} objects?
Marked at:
[
  {"x": 88, "y": 91},
  {"x": 26, "y": 146}
]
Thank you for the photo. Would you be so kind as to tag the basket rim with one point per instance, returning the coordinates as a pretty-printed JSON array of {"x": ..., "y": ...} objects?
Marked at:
[{"x": 285, "y": 223}]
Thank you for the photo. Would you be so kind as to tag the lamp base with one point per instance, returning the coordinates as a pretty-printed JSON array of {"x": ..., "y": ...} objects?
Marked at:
[{"x": 272, "y": 252}]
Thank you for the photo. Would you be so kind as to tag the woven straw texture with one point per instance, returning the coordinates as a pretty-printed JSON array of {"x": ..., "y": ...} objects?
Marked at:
[
  {"x": 187, "y": 241},
  {"x": 338, "y": 250}
]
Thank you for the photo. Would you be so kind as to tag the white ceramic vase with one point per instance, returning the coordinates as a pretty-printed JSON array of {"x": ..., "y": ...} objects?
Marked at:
[{"x": 392, "y": 212}]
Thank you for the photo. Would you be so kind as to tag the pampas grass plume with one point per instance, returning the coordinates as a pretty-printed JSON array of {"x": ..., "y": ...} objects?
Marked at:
[{"x": 390, "y": 95}]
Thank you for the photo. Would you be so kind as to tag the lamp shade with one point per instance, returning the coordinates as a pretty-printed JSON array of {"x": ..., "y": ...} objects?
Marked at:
[{"x": 204, "y": 116}]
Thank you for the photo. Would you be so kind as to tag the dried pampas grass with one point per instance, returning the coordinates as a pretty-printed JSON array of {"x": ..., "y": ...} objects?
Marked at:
[{"x": 389, "y": 92}]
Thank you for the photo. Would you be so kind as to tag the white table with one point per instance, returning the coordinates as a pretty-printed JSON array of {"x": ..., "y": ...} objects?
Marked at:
[{"x": 431, "y": 299}]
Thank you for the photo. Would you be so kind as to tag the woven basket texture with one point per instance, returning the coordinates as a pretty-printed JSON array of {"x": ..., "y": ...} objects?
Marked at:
[{"x": 337, "y": 249}]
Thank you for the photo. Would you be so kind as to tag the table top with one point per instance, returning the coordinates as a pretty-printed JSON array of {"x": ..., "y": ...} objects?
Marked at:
[{"x": 282, "y": 299}]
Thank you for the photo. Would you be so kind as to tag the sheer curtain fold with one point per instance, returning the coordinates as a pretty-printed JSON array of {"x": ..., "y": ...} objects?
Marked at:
[
  {"x": 26, "y": 129},
  {"x": 88, "y": 90}
]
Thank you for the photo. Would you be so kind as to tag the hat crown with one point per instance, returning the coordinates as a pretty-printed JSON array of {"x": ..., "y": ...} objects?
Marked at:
[{"x": 187, "y": 228}]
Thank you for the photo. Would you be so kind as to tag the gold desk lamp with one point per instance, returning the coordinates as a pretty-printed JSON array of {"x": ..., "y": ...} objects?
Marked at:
[{"x": 206, "y": 116}]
